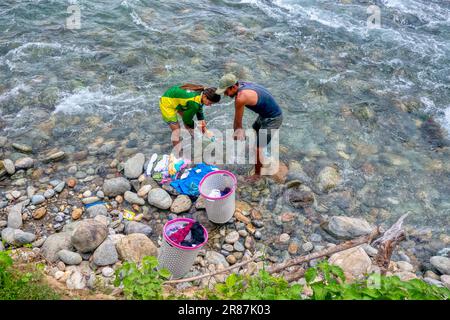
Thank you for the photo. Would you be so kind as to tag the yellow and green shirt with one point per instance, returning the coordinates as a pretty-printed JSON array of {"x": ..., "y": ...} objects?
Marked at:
[{"x": 176, "y": 99}]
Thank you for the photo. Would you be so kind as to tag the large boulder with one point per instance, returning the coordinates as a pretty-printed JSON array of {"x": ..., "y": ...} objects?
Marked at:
[
  {"x": 328, "y": 178},
  {"x": 136, "y": 246},
  {"x": 348, "y": 228},
  {"x": 69, "y": 257},
  {"x": 55, "y": 243},
  {"x": 159, "y": 198},
  {"x": 134, "y": 166},
  {"x": 106, "y": 254},
  {"x": 354, "y": 261},
  {"x": 15, "y": 216},
  {"x": 182, "y": 203},
  {"x": 137, "y": 227},
  {"x": 115, "y": 186},
  {"x": 88, "y": 235},
  {"x": 442, "y": 264}
]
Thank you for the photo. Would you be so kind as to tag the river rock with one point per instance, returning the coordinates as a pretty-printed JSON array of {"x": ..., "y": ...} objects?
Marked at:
[
  {"x": 106, "y": 254},
  {"x": 22, "y": 147},
  {"x": 59, "y": 188},
  {"x": 37, "y": 199},
  {"x": 39, "y": 213},
  {"x": 137, "y": 227},
  {"x": 442, "y": 264},
  {"x": 159, "y": 198},
  {"x": 9, "y": 166},
  {"x": 405, "y": 266},
  {"x": 135, "y": 246},
  {"x": 216, "y": 258},
  {"x": 134, "y": 166},
  {"x": 49, "y": 193},
  {"x": 15, "y": 216},
  {"x": 328, "y": 178},
  {"x": 232, "y": 237},
  {"x": 116, "y": 186},
  {"x": 24, "y": 163},
  {"x": 182, "y": 203},
  {"x": 88, "y": 235},
  {"x": 76, "y": 281},
  {"x": 445, "y": 279},
  {"x": 90, "y": 200},
  {"x": 355, "y": 262},
  {"x": 55, "y": 243},
  {"x": 21, "y": 238},
  {"x": 69, "y": 257},
  {"x": 98, "y": 209},
  {"x": 238, "y": 246},
  {"x": 108, "y": 272},
  {"x": 144, "y": 190},
  {"x": 76, "y": 213},
  {"x": 348, "y": 228},
  {"x": 133, "y": 198},
  {"x": 57, "y": 156},
  {"x": 8, "y": 235},
  {"x": 308, "y": 246}
]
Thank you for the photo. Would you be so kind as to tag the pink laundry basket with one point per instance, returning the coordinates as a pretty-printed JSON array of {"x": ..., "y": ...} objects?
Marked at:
[
  {"x": 176, "y": 258},
  {"x": 220, "y": 209}
]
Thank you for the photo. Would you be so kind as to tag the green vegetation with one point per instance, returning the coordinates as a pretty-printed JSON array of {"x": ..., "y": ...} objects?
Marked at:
[{"x": 18, "y": 285}]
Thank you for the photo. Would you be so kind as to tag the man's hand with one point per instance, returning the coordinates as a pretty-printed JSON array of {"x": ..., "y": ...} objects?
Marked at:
[
  {"x": 202, "y": 125},
  {"x": 239, "y": 134}
]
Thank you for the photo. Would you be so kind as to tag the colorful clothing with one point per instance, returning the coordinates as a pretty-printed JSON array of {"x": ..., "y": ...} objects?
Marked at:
[{"x": 188, "y": 102}]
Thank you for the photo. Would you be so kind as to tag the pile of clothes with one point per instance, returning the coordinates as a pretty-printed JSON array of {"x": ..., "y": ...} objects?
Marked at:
[
  {"x": 190, "y": 234},
  {"x": 166, "y": 169}
]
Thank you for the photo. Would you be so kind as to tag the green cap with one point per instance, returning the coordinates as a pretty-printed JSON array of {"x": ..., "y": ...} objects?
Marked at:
[{"x": 226, "y": 81}]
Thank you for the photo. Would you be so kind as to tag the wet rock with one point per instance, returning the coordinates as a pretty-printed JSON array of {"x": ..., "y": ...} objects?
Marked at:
[
  {"x": 328, "y": 178},
  {"x": 24, "y": 163},
  {"x": 72, "y": 182},
  {"x": 133, "y": 198},
  {"x": 88, "y": 235},
  {"x": 49, "y": 193},
  {"x": 442, "y": 264},
  {"x": 159, "y": 198},
  {"x": 238, "y": 247},
  {"x": 15, "y": 216},
  {"x": 134, "y": 166},
  {"x": 137, "y": 227},
  {"x": 22, "y": 147},
  {"x": 90, "y": 200},
  {"x": 3, "y": 141},
  {"x": 135, "y": 246},
  {"x": 54, "y": 243},
  {"x": 284, "y": 238},
  {"x": 53, "y": 157},
  {"x": 39, "y": 213},
  {"x": 347, "y": 228},
  {"x": 59, "y": 188},
  {"x": 69, "y": 257},
  {"x": 76, "y": 213},
  {"x": 355, "y": 262},
  {"x": 98, "y": 209},
  {"x": 216, "y": 258},
  {"x": 9, "y": 166},
  {"x": 116, "y": 186},
  {"x": 106, "y": 254},
  {"x": 182, "y": 203},
  {"x": 37, "y": 199}
]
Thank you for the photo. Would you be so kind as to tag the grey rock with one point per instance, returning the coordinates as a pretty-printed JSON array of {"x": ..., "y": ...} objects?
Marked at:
[
  {"x": 55, "y": 243},
  {"x": 216, "y": 258},
  {"x": 15, "y": 216},
  {"x": 49, "y": 193},
  {"x": 133, "y": 198},
  {"x": 433, "y": 282},
  {"x": 30, "y": 191},
  {"x": 8, "y": 235},
  {"x": 3, "y": 223},
  {"x": 90, "y": 200},
  {"x": 76, "y": 281},
  {"x": 3, "y": 141},
  {"x": 21, "y": 238},
  {"x": 258, "y": 223},
  {"x": 70, "y": 227},
  {"x": 315, "y": 237},
  {"x": 38, "y": 243},
  {"x": 347, "y": 227},
  {"x": 9, "y": 166},
  {"x": 59, "y": 188},
  {"x": 134, "y": 166},
  {"x": 3, "y": 204},
  {"x": 308, "y": 246},
  {"x": 98, "y": 209},
  {"x": 88, "y": 235},
  {"x": 442, "y": 264},
  {"x": 100, "y": 194},
  {"x": 232, "y": 237},
  {"x": 80, "y": 175},
  {"x": 258, "y": 235},
  {"x": 106, "y": 254},
  {"x": 371, "y": 251},
  {"x": 182, "y": 203},
  {"x": 116, "y": 186},
  {"x": 24, "y": 163},
  {"x": 37, "y": 199},
  {"x": 227, "y": 247},
  {"x": 55, "y": 182},
  {"x": 72, "y": 170},
  {"x": 137, "y": 227},
  {"x": 159, "y": 198},
  {"x": 405, "y": 266},
  {"x": 239, "y": 246},
  {"x": 22, "y": 147},
  {"x": 2, "y": 247},
  {"x": 69, "y": 257},
  {"x": 108, "y": 272}
]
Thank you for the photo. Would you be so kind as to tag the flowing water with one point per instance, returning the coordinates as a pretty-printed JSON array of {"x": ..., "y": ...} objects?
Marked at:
[{"x": 373, "y": 101}]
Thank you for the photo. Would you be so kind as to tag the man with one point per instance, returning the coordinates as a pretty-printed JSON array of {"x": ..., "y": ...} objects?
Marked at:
[{"x": 258, "y": 99}]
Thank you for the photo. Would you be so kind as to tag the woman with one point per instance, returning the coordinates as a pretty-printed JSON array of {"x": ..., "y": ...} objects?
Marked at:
[{"x": 188, "y": 101}]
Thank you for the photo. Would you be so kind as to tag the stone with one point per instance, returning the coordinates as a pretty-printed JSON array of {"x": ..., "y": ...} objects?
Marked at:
[
  {"x": 108, "y": 272},
  {"x": 133, "y": 198},
  {"x": 231, "y": 259},
  {"x": 37, "y": 199},
  {"x": 54, "y": 243},
  {"x": 2, "y": 247},
  {"x": 405, "y": 275},
  {"x": 159, "y": 198},
  {"x": 182, "y": 203},
  {"x": 8, "y": 235},
  {"x": 90, "y": 200},
  {"x": 227, "y": 247},
  {"x": 308, "y": 246},
  {"x": 354, "y": 261},
  {"x": 137, "y": 227},
  {"x": 371, "y": 251},
  {"x": 135, "y": 246},
  {"x": 284, "y": 238},
  {"x": 38, "y": 243},
  {"x": 103, "y": 219},
  {"x": 241, "y": 217},
  {"x": 30, "y": 191},
  {"x": 293, "y": 248},
  {"x": 100, "y": 194},
  {"x": 445, "y": 279},
  {"x": 24, "y": 163},
  {"x": 53, "y": 157},
  {"x": 22, "y": 147},
  {"x": 328, "y": 179},
  {"x": 71, "y": 182},
  {"x": 200, "y": 203},
  {"x": 76, "y": 281},
  {"x": 405, "y": 266},
  {"x": 106, "y": 254},
  {"x": 69, "y": 257},
  {"x": 216, "y": 258},
  {"x": 348, "y": 228},
  {"x": 232, "y": 237},
  {"x": 87, "y": 194},
  {"x": 442, "y": 264},
  {"x": 88, "y": 235},
  {"x": 59, "y": 188},
  {"x": 39, "y": 213},
  {"x": 239, "y": 246},
  {"x": 77, "y": 213},
  {"x": 3, "y": 141},
  {"x": 9, "y": 166},
  {"x": 144, "y": 190},
  {"x": 21, "y": 238},
  {"x": 116, "y": 186},
  {"x": 15, "y": 216},
  {"x": 134, "y": 166},
  {"x": 433, "y": 282},
  {"x": 98, "y": 209},
  {"x": 49, "y": 193}
]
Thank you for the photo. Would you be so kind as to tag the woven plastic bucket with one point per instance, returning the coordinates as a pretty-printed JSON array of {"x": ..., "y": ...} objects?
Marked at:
[
  {"x": 220, "y": 209},
  {"x": 176, "y": 258}
]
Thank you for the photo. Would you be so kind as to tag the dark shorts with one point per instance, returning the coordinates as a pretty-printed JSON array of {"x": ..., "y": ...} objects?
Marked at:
[{"x": 266, "y": 123}]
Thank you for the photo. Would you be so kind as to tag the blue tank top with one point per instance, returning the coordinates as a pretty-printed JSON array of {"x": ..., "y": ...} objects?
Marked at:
[{"x": 266, "y": 106}]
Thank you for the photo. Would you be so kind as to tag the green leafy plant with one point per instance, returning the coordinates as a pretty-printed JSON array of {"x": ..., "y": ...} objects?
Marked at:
[{"x": 142, "y": 282}]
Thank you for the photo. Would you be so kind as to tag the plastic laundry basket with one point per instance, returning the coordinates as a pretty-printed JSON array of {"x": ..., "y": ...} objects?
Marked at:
[
  {"x": 176, "y": 258},
  {"x": 220, "y": 209}
]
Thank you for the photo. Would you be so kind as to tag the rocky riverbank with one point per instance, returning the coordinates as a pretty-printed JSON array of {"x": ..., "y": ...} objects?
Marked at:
[{"x": 71, "y": 213}]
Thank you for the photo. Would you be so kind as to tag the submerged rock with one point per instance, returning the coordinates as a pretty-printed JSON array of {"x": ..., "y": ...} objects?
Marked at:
[
  {"x": 347, "y": 228},
  {"x": 24, "y": 163},
  {"x": 328, "y": 178},
  {"x": 22, "y": 147}
]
